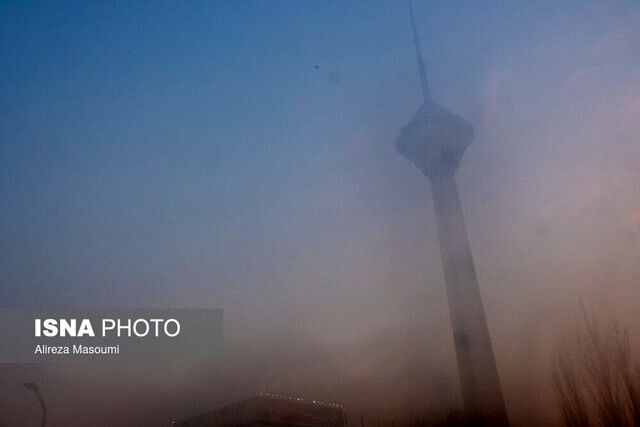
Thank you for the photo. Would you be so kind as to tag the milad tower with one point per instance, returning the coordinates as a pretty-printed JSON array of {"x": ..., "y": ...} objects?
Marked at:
[{"x": 434, "y": 140}]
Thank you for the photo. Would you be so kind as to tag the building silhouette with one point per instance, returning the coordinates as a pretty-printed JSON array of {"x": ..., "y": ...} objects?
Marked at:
[{"x": 271, "y": 410}]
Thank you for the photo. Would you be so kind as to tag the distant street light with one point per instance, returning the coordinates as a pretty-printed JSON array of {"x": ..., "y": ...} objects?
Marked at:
[{"x": 34, "y": 388}]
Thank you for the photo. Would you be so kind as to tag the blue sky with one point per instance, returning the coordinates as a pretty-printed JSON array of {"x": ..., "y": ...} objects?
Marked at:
[{"x": 137, "y": 135}]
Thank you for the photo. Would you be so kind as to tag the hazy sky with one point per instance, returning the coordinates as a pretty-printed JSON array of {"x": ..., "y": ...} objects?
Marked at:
[{"x": 241, "y": 155}]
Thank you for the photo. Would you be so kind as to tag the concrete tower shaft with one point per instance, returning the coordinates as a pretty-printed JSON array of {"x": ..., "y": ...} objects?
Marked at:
[{"x": 479, "y": 381}]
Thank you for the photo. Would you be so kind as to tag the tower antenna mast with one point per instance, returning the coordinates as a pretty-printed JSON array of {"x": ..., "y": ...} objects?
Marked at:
[{"x": 423, "y": 74}]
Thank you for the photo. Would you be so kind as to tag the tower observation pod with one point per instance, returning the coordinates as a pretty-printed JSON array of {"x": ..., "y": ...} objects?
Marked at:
[{"x": 435, "y": 140}]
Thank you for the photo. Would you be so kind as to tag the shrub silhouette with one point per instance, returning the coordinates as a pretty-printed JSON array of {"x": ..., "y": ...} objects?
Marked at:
[{"x": 595, "y": 378}]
